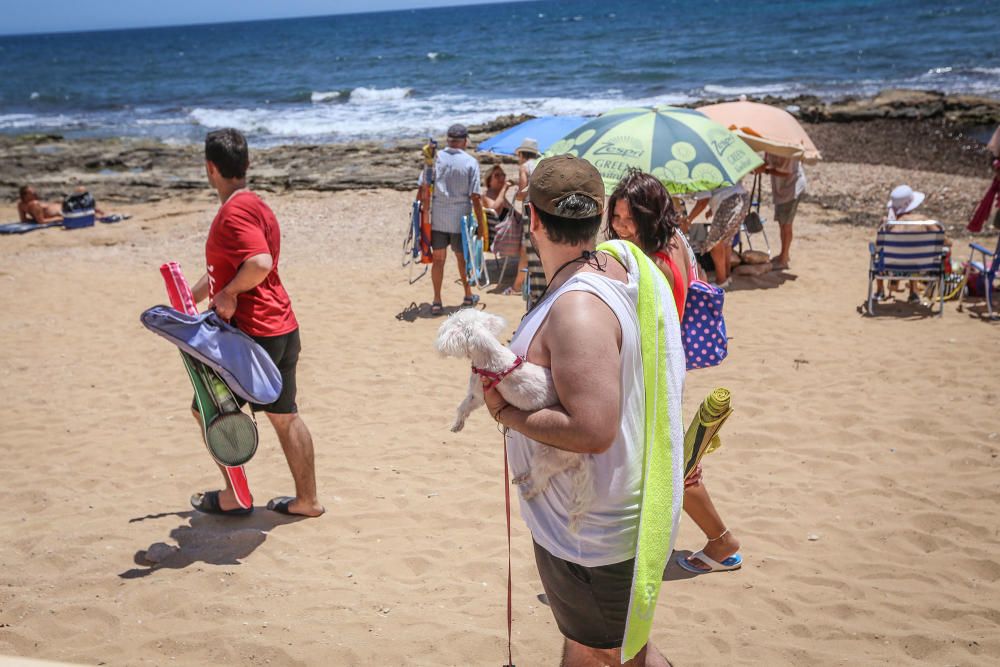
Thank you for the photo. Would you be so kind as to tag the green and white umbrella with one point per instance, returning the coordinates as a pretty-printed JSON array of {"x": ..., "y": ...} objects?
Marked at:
[{"x": 683, "y": 148}]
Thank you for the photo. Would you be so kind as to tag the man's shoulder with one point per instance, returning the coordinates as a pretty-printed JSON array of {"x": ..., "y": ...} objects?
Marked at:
[
  {"x": 579, "y": 309},
  {"x": 245, "y": 205},
  {"x": 462, "y": 157}
]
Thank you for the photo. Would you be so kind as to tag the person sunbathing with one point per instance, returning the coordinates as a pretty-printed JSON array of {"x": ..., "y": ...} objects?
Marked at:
[{"x": 32, "y": 209}]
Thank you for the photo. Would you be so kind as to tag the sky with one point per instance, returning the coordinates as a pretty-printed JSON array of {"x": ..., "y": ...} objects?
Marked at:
[{"x": 42, "y": 16}]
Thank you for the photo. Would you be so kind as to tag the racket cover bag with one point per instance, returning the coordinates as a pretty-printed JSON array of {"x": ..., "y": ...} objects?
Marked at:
[{"x": 241, "y": 363}]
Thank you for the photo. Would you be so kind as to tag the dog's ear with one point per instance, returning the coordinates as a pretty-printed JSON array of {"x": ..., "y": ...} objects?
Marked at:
[
  {"x": 452, "y": 339},
  {"x": 495, "y": 324}
]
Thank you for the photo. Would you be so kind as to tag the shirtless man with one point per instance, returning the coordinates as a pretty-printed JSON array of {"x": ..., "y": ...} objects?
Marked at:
[{"x": 32, "y": 209}]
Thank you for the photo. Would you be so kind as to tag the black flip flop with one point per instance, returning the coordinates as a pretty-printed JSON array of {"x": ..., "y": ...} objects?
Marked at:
[
  {"x": 207, "y": 502},
  {"x": 281, "y": 505}
]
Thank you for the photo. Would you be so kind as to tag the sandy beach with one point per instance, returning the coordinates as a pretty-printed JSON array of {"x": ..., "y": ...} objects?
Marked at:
[{"x": 859, "y": 469}]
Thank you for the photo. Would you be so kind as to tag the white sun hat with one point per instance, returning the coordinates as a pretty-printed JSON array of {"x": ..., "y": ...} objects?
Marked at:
[{"x": 902, "y": 200}]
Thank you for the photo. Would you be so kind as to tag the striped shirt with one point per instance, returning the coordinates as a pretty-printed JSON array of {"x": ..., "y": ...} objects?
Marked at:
[{"x": 456, "y": 178}]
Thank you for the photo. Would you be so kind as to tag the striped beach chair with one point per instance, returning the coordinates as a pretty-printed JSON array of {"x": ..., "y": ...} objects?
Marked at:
[{"x": 910, "y": 250}]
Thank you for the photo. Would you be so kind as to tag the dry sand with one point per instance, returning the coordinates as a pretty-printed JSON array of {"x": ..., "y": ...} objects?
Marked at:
[{"x": 877, "y": 437}]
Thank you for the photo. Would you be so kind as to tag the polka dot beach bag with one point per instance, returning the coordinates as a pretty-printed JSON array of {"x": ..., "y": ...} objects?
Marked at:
[{"x": 703, "y": 329}]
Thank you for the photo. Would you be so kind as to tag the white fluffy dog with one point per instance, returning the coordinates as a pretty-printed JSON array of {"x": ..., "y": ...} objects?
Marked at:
[{"x": 473, "y": 333}]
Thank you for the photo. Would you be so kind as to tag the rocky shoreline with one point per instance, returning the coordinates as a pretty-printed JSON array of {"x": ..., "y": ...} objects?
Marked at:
[{"x": 916, "y": 130}]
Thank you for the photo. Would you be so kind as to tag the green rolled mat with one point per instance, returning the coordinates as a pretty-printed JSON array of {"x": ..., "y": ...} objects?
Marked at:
[{"x": 702, "y": 436}]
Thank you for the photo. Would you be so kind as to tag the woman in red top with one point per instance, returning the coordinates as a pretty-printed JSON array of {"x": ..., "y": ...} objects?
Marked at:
[{"x": 640, "y": 210}]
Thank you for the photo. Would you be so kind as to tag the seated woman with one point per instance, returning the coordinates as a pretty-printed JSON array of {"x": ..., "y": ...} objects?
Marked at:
[
  {"x": 32, "y": 209},
  {"x": 903, "y": 201},
  {"x": 641, "y": 211},
  {"x": 495, "y": 197}
]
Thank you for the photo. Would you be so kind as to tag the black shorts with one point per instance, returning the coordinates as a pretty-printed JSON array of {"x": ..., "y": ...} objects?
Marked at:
[
  {"x": 441, "y": 240},
  {"x": 284, "y": 352},
  {"x": 590, "y": 604}
]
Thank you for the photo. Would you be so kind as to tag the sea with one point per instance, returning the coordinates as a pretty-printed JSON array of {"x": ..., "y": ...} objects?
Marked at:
[{"x": 405, "y": 74}]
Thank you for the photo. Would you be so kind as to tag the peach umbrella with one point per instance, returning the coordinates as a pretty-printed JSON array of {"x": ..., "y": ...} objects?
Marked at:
[{"x": 765, "y": 128}]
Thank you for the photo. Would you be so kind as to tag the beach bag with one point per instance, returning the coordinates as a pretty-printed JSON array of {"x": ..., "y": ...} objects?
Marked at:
[
  {"x": 507, "y": 241},
  {"x": 976, "y": 285},
  {"x": 703, "y": 329},
  {"x": 752, "y": 221},
  {"x": 79, "y": 202}
]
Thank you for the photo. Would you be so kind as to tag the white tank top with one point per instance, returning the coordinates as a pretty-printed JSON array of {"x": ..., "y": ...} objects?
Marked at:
[{"x": 607, "y": 532}]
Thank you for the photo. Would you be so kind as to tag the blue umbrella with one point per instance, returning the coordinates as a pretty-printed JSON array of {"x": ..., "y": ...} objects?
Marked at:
[{"x": 545, "y": 130}]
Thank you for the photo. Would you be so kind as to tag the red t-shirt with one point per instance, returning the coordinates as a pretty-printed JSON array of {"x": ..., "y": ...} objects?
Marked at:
[{"x": 242, "y": 228}]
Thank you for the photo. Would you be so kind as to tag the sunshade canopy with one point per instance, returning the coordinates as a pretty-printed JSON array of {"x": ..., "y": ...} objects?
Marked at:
[
  {"x": 545, "y": 130},
  {"x": 765, "y": 128},
  {"x": 681, "y": 147}
]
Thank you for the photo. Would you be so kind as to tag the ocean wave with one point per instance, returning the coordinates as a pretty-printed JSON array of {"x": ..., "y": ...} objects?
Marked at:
[
  {"x": 749, "y": 89},
  {"x": 27, "y": 121},
  {"x": 156, "y": 122},
  {"x": 959, "y": 73},
  {"x": 319, "y": 96},
  {"x": 360, "y": 95},
  {"x": 363, "y": 94},
  {"x": 398, "y": 115}
]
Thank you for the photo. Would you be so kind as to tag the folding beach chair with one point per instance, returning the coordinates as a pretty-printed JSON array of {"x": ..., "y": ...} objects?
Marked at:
[
  {"x": 505, "y": 240},
  {"x": 908, "y": 251},
  {"x": 987, "y": 269},
  {"x": 472, "y": 248}
]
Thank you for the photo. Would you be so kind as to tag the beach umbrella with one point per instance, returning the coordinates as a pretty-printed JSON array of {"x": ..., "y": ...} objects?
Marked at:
[
  {"x": 765, "y": 128},
  {"x": 545, "y": 130},
  {"x": 702, "y": 435},
  {"x": 681, "y": 147}
]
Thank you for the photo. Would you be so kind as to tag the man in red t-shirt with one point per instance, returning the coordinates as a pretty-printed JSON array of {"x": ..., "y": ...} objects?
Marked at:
[{"x": 241, "y": 257}]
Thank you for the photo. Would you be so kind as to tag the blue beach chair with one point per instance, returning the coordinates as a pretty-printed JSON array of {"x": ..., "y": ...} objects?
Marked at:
[
  {"x": 908, "y": 251},
  {"x": 472, "y": 248},
  {"x": 987, "y": 268}
]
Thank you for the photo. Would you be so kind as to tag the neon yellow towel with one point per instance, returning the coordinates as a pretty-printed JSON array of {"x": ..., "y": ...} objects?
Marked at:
[
  {"x": 702, "y": 436},
  {"x": 662, "y": 483}
]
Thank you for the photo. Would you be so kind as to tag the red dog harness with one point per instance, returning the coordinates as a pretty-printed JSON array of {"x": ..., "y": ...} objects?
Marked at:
[{"x": 496, "y": 378}]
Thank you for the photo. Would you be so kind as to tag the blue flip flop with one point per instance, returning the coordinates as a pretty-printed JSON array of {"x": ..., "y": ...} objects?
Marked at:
[{"x": 734, "y": 562}]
